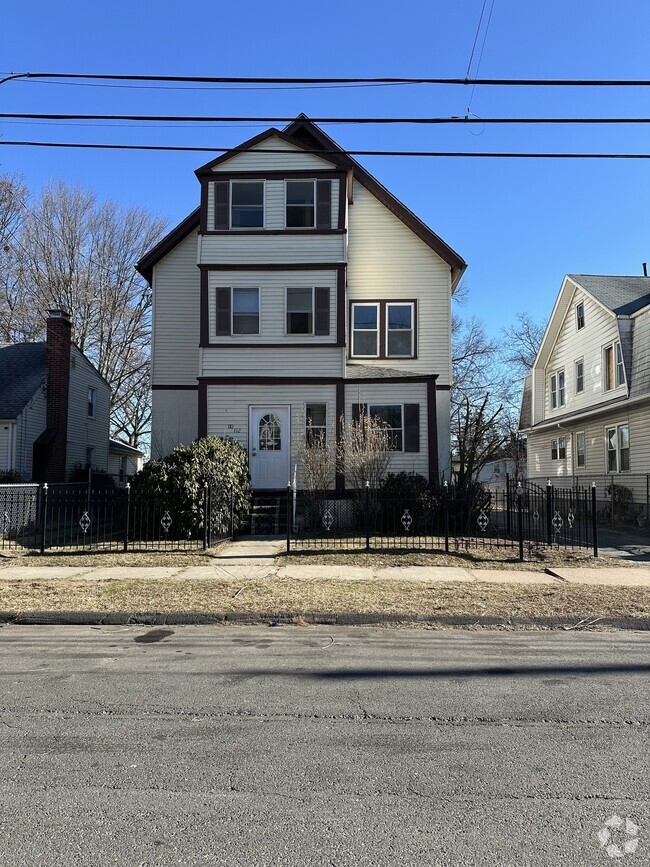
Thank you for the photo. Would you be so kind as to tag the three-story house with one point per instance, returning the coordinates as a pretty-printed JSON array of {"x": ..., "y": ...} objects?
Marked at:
[{"x": 299, "y": 292}]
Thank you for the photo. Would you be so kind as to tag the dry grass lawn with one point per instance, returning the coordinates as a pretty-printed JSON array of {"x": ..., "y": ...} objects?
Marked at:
[{"x": 296, "y": 597}]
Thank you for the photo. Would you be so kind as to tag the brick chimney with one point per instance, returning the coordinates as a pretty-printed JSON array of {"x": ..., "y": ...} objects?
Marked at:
[{"x": 59, "y": 334}]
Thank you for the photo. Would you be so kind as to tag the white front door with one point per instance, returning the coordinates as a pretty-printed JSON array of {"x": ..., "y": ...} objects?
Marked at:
[{"x": 269, "y": 441}]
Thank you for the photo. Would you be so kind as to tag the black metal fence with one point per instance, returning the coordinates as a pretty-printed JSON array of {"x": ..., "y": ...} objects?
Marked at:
[
  {"x": 621, "y": 498},
  {"x": 525, "y": 518},
  {"x": 70, "y": 517}
]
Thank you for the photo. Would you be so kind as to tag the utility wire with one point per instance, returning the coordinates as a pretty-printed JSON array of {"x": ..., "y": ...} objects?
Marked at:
[
  {"x": 154, "y": 118},
  {"x": 368, "y": 80},
  {"x": 485, "y": 154}
]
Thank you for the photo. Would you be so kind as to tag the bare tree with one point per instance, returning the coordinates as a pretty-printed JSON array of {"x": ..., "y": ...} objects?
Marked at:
[
  {"x": 521, "y": 343},
  {"x": 73, "y": 252},
  {"x": 478, "y": 436},
  {"x": 12, "y": 309},
  {"x": 364, "y": 453}
]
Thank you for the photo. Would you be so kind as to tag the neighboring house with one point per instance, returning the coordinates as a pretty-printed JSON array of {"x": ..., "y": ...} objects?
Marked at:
[
  {"x": 299, "y": 292},
  {"x": 586, "y": 403},
  {"x": 124, "y": 461},
  {"x": 54, "y": 407}
]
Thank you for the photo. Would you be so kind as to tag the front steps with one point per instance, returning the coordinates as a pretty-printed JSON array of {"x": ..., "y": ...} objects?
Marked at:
[{"x": 268, "y": 515}]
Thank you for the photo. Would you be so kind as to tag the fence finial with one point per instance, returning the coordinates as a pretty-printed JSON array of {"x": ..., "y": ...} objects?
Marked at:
[
  {"x": 367, "y": 484},
  {"x": 45, "y": 486}
]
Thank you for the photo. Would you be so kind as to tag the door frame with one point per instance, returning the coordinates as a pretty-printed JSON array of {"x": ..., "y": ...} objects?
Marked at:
[{"x": 253, "y": 407}]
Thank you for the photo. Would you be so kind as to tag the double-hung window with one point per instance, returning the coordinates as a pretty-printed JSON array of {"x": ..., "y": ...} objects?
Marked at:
[
  {"x": 399, "y": 330},
  {"x": 558, "y": 449},
  {"x": 618, "y": 448},
  {"x": 316, "y": 425},
  {"x": 557, "y": 390},
  {"x": 92, "y": 403},
  {"x": 245, "y": 311},
  {"x": 580, "y": 376},
  {"x": 392, "y": 417},
  {"x": 300, "y": 311},
  {"x": 580, "y": 315},
  {"x": 613, "y": 365},
  {"x": 365, "y": 330},
  {"x": 247, "y": 205},
  {"x": 301, "y": 204}
]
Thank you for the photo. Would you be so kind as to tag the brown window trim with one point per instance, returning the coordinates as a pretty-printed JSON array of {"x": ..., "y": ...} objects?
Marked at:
[{"x": 382, "y": 302}]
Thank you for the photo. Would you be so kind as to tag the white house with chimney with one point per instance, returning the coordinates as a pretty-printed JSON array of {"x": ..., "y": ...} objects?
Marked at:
[
  {"x": 301, "y": 291},
  {"x": 54, "y": 411}
]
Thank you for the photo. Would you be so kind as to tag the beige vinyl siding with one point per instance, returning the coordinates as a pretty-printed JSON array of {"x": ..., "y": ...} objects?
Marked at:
[
  {"x": 599, "y": 331},
  {"x": 392, "y": 393},
  {"x": 176, "y": 316},
  {"x": 293, "y": 159},
  {"x": 240, "y": 248},
  {"x": 29, "y": 425},
  {"x": 539, "y": 445},
  {"x": 274, "y": 204},
  {"x": 174, "y": 419},
  {"x": 317, "y": 362},
  {"x": 84, "y": 432},
  {"x": 272, "y": 286},
  {"x": 228, "y": 410},
  {"x": 386, "y": 260}
]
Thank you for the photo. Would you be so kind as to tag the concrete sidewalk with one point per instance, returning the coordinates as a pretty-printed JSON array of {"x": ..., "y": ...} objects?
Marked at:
[{"x": 256, "y": 559}]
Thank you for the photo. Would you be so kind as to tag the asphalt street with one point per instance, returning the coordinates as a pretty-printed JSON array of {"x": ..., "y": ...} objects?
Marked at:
[{"x": 322, "y": 746}]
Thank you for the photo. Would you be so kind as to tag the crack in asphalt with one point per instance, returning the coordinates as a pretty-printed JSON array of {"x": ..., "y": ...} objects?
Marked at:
[{"x": 198, "y": 716}]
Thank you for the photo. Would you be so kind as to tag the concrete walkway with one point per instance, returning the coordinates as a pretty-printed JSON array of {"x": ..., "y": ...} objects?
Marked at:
[{"x": 255, "y": 559}]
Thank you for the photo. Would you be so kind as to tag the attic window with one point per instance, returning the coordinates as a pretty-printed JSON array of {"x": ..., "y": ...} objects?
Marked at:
[
  {"x": 580, "y": 315},
  {"x": 247, "y": 205}
]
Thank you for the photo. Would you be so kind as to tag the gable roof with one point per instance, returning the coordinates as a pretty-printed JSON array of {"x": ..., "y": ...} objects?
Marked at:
[
  {"x": 304, "y": 134},
  {"x": 622, "y": 295},
  {"x": 23, "y": 370},
  {"x": 302, "y": 129}
]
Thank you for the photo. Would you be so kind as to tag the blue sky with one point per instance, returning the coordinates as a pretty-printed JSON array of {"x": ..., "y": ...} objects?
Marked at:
[{"x": 521, "y": 225}]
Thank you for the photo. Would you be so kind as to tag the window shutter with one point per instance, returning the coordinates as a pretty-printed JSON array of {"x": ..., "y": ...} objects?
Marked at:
[
  {"x": 322, "y": 306},
  {"x": 223, "y": 311},
  {"x": 411, "y": 427},
  {"x": 324, "y": 204},
  {"x": 221, "y": 205}
]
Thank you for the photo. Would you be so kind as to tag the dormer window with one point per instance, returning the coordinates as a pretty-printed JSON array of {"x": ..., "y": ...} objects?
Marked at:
[{"x": 580, "y": 315}]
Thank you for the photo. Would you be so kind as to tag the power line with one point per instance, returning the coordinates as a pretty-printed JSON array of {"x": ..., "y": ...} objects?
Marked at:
[
  {"x": 366, "y": 80},
  {"x": 375, "y": 153},
  {"x": 155, "y": 118}
]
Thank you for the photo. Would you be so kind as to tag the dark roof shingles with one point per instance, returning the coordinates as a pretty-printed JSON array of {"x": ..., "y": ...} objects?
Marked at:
[{"x": 23, "y": 370}]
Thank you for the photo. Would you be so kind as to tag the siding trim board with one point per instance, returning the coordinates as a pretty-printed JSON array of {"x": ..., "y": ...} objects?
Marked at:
[
  {"x": 304, "y": 380},
  {"x": 432, "y": 430}
]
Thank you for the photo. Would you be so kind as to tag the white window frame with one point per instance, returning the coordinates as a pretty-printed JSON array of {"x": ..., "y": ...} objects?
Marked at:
[
  {"x": 580, "y": 304},
  {"x": 410, "y": 304},
  {"x": 617, "y": 451},
  {"x": 92, "y": 402},
  {"x": 234, "y": 333},
  {"x": 230, "y": 204},
  {"x": 391, "y": 429},
  {"x": 558, "y": 445},
  {"x": 580, "y": 361},
  {"x": 288, "y": 181},
  {"x": 376, "y": 330},
  {"x": 557, "y": 393},
  {"x": 579, "y": 434},
  {"x": 618, "y": 366},
  {"x": 286, "y": 312}
]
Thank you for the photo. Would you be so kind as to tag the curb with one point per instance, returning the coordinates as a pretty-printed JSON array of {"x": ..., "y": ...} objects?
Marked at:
[{"x": 206, "y": 618}]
